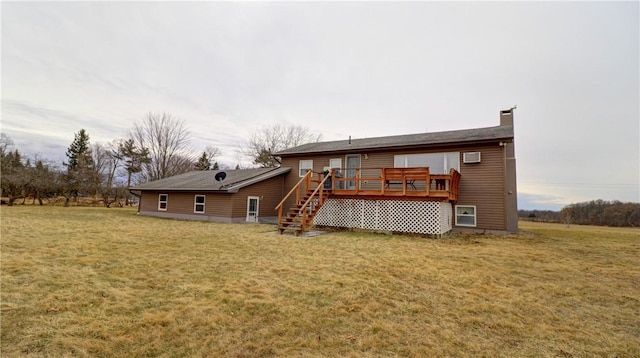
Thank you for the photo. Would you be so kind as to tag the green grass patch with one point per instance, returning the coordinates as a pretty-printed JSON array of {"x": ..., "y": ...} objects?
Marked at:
[{"x": 107, "y": 282}]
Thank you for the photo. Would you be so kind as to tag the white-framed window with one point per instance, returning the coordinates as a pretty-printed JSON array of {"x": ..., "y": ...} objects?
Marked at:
[
  {"x": 305, "y": 166},
  {"x": 466, "y": 215},
  {"x": 198, "y": 204},
  {"x": 438, "y": 163},
  {"x": 163, "y": 200},
  {"x": 335, "y": 163}
]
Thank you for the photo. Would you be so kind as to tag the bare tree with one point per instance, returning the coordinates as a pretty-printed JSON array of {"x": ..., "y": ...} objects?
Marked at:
[
  {"x": 42, "y": 183},
  {"x": 205, "y": 162},
  {"x": 181, "y": 164},
  {"x": 5, "y": 143},
  {"x": 212, "y": 152},
  {"x": 271, "y": 139},
  {"x": 108, "y": 159},
  {"x": 167, "y": 140},
  {"x": 14, "y": 179},
  {"x": 134, "y": 159}
]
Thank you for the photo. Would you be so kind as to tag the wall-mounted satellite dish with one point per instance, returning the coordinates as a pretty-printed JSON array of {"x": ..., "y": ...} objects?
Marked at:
[{"x": 220, "y": 176}]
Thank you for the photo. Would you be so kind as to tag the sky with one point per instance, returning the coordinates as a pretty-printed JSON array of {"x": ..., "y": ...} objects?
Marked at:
[{"x": 360, "y": 69}]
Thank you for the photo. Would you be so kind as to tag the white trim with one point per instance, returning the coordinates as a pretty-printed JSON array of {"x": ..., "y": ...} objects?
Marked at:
[
  {"x": 333, "y": 165},
  {"x": 473, "y": 215},
  {"x": 165, "y": 201},
  {"x": 402, "y": 161},
  {"x": 471, "y": 157},
  {"x": 307, "y": 167},
  {"x": 253, "y": 218},
  {"x": 346, "y": 173},
  {"x": 386, "y": 215},
  {"x": 195, "y": 203}
]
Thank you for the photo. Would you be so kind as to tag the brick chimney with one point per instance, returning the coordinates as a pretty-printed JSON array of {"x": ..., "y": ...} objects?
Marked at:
[
  {"x": 506, "y": 117},
  {"x": 511, "y": 197}
]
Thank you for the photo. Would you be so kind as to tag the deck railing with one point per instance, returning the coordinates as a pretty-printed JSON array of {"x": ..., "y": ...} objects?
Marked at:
[
  {"x": 313, "y": 189},
  {"x": 407, "y": 182},
  {"x": 310, "y": 194},
  {"x": 314, "y": 202},
  {"x": 297, "y": 189}
]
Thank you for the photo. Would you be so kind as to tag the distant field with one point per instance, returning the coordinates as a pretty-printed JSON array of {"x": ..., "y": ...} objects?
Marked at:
[{"x": 106, "y": 282}]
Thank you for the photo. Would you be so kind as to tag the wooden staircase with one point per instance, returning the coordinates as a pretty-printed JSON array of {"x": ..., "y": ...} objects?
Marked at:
[{"x": 299, "y": 217}]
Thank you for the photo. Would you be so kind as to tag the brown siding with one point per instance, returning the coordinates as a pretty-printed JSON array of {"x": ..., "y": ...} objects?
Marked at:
[
  {"x": 270, "y": 192},
  {"x": 319, "y": 162},
  {"x": 481, "y": 184},
  {"x": 218, "y": 205}
]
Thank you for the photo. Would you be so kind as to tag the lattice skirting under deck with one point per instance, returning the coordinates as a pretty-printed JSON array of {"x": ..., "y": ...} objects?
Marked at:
[{"x": 422, "y": 217}]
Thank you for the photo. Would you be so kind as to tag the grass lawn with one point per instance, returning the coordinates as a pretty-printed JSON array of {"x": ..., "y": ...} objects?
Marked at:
[{"x": 106, "y": 282}]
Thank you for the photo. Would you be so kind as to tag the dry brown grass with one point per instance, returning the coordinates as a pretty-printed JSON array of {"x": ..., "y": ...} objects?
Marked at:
[{"x": 105, "y": 282}]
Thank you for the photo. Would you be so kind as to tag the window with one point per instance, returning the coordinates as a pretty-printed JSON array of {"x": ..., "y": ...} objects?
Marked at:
[
  {"x": 162, "y": 202},
  {"x": 465, "y": 215},
  {"x": 438, "y": 163},
  {"x": 335, "y": 163},
  {"x": 198, "y": 205},
  {"x": 305, "y": 166}
]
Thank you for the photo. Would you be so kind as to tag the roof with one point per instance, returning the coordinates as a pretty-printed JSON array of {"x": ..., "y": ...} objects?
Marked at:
[
  {"x": 205, "y": 180},
  {"x": 464, "y": 136}
]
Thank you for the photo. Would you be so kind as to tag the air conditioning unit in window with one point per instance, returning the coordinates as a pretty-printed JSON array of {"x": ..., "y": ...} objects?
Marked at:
[{"x": 471, "y": 157}]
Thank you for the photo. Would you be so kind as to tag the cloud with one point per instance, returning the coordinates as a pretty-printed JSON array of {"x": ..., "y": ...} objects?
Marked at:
[{"x": 341, "y": 69}]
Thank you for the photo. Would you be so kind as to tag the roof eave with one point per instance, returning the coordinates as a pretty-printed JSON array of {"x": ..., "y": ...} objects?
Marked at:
[
  {"x": 182, "y": 189},
  {"x": 402, "y": 146},
  {"x": 268, "y": 175},
  {"x": 227, "y": 189}
]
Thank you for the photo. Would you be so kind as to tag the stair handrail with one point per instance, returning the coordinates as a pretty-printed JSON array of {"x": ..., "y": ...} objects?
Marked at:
[
  {"x": 296, "y": 188},
  {"x": 320, "y": 188}
]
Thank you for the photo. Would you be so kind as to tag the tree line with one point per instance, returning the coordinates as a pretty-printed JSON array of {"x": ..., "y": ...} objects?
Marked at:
[
  {"x": 157, "y": 147},
  {"x": 596, "y": 212}
]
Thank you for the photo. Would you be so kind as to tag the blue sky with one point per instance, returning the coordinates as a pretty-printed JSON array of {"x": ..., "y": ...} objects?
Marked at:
[{"x": 359, "y": 69}]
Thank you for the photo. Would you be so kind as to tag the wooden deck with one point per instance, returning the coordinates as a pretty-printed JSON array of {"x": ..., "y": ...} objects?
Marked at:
[
  {"x": 395, "y": 183},
  {"x": 312, "y": 190}
]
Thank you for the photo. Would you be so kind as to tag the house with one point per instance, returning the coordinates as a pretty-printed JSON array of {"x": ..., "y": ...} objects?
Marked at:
[
  {"x": 241, "y": 195},
  {"x": 428, "y": 183}
]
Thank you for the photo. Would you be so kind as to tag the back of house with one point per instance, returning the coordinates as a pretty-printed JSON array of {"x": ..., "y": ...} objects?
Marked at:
[{"x": 427, "y": 183}]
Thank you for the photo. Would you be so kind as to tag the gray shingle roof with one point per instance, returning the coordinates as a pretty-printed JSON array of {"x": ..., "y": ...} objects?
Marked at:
[
  {"x": 408, "y": 140},
  {"x": 205, "y": 180}
]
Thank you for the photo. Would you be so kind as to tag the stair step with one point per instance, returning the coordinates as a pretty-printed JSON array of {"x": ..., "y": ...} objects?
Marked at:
[{"x": 292, "y": 219}]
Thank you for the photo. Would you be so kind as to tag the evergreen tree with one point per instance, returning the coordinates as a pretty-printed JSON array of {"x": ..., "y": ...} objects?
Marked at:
[
  {"x": 134, "y": 157},
  {"x": 79, "y": 152},
  {"x": 204, "y": 163},
  {"x": 81, "y": 176}
]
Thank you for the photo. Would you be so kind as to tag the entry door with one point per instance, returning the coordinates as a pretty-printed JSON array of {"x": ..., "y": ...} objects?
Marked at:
[
  {"x": 253, "y": 206},
  {"x": 353, "y": 163}
]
